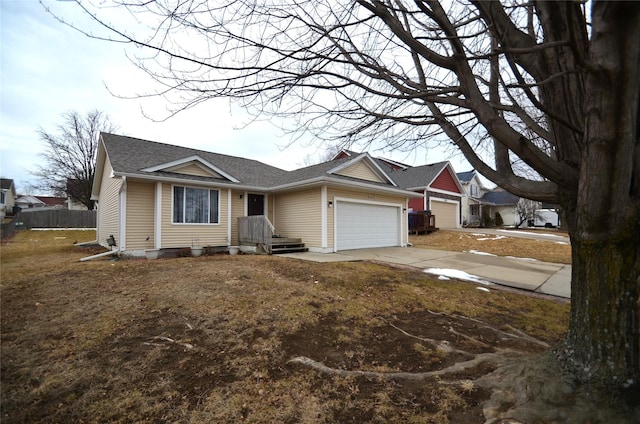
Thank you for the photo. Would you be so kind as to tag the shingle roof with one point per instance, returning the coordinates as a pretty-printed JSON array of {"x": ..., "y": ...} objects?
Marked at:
[
  {"x": 5, "y": 183},
  {"x": 130, "y": 155},
  {"x": 465, "y": 177},
  {"x": 500, "y": 197},
  {"x": 136, "y": 157},
  {"x": 418, "y": 176}
]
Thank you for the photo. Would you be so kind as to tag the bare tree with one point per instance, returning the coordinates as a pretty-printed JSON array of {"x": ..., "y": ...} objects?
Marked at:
[
  {"x": 526, "y": 210},
  {"x": 554, "y": 84},
  {"x": 70, "y": 155}
]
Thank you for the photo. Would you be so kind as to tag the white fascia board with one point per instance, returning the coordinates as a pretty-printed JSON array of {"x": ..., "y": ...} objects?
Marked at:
[
  {"x": 364, "y": 156},
  {"x": 183, "y": 181},
  {"x": 100, "y": 161},
  {"x": 450, "y": 193},
  {"x": 339, "y": 153},
  {"x": 194, "y": 158}
]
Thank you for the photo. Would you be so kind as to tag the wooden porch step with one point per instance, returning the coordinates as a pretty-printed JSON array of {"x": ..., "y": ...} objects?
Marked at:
[
  {"x": 285, "y": 240},
  {"x": 287, "y": 245}
]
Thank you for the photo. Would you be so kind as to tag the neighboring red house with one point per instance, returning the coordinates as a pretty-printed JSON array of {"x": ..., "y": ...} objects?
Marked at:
[{"x": 441, "y": 190}]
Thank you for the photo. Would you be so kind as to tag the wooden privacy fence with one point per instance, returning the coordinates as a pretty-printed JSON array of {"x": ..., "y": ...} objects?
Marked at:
[
  {"x": 57, "y": 218},
  {"x": 256, "y": 230}
]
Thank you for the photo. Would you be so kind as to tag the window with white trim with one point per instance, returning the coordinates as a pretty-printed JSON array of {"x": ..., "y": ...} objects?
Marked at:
[{"x": 195, "y": 205}]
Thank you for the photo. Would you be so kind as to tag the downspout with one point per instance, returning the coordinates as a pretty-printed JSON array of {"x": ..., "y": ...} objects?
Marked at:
[
  {"x": 324, "y": 216},
  {"x": 405, "y": 226},
  {"x": 122, "y": 215},
  {"x": 99, "y": 255},
  {"x": 157, "y": 225},
  {"x": 229, "y": 199}
]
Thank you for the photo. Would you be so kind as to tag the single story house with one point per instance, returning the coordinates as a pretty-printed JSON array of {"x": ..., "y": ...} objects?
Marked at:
[
  {"x": 159, "y": 196},
  {"x": 501, "y": 201}
]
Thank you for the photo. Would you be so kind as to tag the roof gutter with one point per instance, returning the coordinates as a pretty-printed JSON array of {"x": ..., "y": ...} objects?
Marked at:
[
  {"x": 183, "y": 181},
  {"x": 339, "y": 182},
  {"x": 283, "y": 187}
]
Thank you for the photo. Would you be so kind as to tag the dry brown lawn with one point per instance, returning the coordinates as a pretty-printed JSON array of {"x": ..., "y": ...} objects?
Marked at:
[
  {"x": 211, "y": 339},
  {"x": 547, "y": 251}
]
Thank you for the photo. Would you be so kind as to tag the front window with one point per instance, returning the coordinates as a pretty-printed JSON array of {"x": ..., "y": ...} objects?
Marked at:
[
  {"x": 195, "y": 205},
  {"x": 475, "y": 210}
]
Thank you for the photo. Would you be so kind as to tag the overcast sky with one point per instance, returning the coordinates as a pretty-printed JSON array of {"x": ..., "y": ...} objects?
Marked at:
[{"x": 48, "y": 68}]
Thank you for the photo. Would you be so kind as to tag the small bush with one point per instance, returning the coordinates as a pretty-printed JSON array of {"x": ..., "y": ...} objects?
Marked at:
[
  {"x": 486, "y": 219},
  {"x": 499, "y": 222}
]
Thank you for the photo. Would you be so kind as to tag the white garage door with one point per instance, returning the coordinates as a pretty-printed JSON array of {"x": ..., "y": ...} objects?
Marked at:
[
  {"x": 363, "y": 225},
  {"x": 446, "y": 214}
]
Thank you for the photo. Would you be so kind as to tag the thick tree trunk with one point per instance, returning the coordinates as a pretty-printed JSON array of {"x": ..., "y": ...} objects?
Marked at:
[{"x": 603, "y": 342}]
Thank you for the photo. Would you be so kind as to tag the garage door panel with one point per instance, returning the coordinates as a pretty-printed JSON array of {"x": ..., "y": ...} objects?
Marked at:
[
  {"x": 362, "y": 225},
  {"x": 446, "y": 213}
]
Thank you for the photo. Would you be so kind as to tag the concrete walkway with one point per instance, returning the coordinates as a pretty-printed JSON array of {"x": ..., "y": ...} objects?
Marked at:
[{"x": 524, "y": 274}]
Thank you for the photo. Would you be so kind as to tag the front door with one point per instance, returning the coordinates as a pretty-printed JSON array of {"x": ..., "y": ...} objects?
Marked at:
[{"x": 255, "y": 204}]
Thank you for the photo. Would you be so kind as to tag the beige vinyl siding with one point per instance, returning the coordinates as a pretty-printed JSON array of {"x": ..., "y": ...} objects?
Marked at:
[
  {"x": 182, "y": 235},
  {"x": 333, "y": 192},
  {"x": 140, "y": 215},
  {"x": 108, "y": 203},
  {"x": 360, "y": 170},
  {"x": 193, "y": 169},
  {"x": 298, "y": 214}
]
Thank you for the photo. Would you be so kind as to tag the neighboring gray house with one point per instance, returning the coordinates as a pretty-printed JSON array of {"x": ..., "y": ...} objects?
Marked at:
[{"x": 503, "y": 202}]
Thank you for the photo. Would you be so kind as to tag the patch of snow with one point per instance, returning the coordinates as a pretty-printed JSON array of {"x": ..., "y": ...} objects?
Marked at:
[
  {"x": 484, "y": 289},
  {"x": 456, "y": 273},
  {"x": 478, "y": 234},
  {"x": 561, "y": 242},
  {"x": 443, "y": 278},
  {"x": 477, "y": 252},
  {"x": 522, "y": 259},
  {"x": 530, "y": 233},
  {"x": 491, "y": 238}
]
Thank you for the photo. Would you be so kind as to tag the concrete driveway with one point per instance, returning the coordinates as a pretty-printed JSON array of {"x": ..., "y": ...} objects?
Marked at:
[{"x": 524, "y": 274}]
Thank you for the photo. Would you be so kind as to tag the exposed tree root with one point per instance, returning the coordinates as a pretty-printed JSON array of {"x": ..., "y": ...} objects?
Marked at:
[
  {"x": 531, "y": 389},
  {"x": 443, "y": 345},
  {"x": 169, "y": 340},
  {"x": 516, "y": 334},
  {"x": 457, "y": 367}
]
